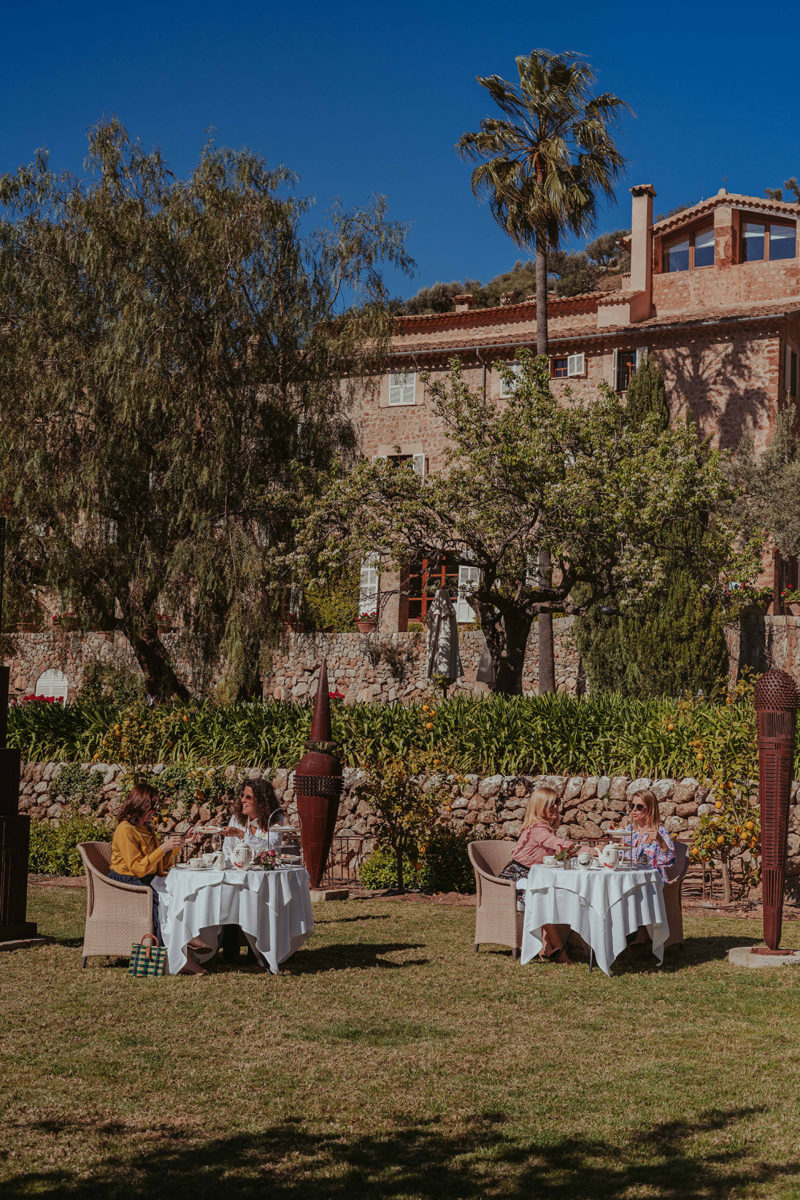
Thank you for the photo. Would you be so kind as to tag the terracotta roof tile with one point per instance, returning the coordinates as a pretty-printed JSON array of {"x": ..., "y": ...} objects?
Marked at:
[
  {"x": 754, "y": 203},
  {"x": 572, "y": 333}
]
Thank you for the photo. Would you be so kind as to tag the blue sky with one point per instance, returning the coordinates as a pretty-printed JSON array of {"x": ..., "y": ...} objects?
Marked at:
[{"x": 360, "y": 98}]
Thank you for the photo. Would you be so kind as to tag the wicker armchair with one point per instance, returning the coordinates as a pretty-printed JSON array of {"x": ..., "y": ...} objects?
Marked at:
[
  {"x": 117, "y": 914},
  {"x": 497, "y": 919},
  {"x": 672, "y": 895}
]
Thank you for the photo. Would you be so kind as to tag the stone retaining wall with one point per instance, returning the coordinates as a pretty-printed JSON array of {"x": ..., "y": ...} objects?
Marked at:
[
  {"x": 487, "y": 806},
  {"x": 382, "y": 667}
]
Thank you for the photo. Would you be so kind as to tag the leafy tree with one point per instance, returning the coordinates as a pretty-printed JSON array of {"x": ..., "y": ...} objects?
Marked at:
[
  {"x": 603, "y": 495},
  {"x": 176, "y": 363},
  {"x": 671, "y": 641},
  {"x": 542, "y": 166},
  {"x": 771, "y": 485},
  {"x": 406, "y": 811}
]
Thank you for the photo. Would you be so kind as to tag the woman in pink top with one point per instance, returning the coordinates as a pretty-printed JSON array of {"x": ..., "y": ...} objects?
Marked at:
[{"x": 537, "y": 839}]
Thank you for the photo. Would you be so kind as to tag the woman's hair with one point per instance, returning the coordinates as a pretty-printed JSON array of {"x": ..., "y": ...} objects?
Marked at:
[
  {"x": 541, "y": 800},
  {"x": 653, "y": 816},
  {"x": 266, "y": 801},
  {"x": 139, "y": 800}
]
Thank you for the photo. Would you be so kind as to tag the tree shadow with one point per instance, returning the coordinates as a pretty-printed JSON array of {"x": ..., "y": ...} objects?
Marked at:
[
  {"x": 345, "y": 920},
  {"x": 707, "y": 1155},
  {"x": 350, "y": 956},
  {"x": 719, "y": 387}
]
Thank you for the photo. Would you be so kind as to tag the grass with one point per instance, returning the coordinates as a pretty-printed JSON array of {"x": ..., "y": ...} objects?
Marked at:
[{"x": 387, "y": 1060}]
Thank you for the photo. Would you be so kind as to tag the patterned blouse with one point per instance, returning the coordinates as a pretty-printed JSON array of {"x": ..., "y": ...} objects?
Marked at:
[
  {"x": 535, "y": 841},
  {"x": 646, "y": 846}
]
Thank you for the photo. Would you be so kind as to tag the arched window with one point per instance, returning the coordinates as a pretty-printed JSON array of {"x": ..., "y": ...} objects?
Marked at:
[{"x": 52, "y": 683}]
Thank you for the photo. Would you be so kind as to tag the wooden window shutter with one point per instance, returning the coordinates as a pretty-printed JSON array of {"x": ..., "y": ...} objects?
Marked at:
[
  {"x": 468, "y": 577},
  {"x": 576, "y": 365},
  {"x": 368, "y": 584},
  {"x": 419, "y": 465}
]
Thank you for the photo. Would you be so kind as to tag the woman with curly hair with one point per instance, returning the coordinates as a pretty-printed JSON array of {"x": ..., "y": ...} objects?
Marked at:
[{"x": 255, "y": 803}]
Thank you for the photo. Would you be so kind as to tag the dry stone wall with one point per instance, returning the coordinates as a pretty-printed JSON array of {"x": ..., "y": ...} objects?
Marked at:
[
  {"x": 487, "y": 806},
  {"x": 382, "y": 667}
]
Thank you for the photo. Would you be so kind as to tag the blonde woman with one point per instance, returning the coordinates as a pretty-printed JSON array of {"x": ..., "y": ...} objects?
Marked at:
[
  {"x": 651, "y": 839},
  {"x": 537, "y": 839}
]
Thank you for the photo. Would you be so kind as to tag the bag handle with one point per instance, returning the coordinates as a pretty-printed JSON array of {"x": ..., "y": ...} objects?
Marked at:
[{"x": 148, "y": 937}]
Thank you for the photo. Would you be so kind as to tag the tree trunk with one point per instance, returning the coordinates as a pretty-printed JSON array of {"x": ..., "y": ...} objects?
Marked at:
[
  {"x": 398, "y": 856},
  {"x": 547, "y": 657},
  {"x": 725, "y": 867},
  {"x": 160, "y": 679},
  {"x": 541, "y": 298},
  {"x": 510, "y": 663}
]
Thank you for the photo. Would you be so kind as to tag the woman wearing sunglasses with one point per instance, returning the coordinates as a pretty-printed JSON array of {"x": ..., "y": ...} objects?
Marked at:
[{"x": 651, "y": 839}]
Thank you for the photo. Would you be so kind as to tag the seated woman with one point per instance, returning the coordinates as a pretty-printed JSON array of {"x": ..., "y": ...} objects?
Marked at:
[
  {"x": 252, "y": 810},
  {"x": 651, "y": 841},
  {"x": 538, "y": 838},
  {"x": 138, "y": 857}
]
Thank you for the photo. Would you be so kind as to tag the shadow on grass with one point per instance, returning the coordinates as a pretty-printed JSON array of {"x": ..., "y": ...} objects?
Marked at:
[
  {"x": 345, "y": 920},
  {"x": 698, "y": 1157},
  {"x": 350, "y": 956}
]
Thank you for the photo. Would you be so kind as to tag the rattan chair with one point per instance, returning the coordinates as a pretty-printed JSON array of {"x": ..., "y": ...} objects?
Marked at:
[
  {"x": 497, "y": 918},
  {"x": 117, "y": 914},
  {"x": 673, "y": 889}
]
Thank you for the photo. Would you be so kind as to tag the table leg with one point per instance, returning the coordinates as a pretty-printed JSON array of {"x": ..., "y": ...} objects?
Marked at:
[{"x": 591, "y": 958}]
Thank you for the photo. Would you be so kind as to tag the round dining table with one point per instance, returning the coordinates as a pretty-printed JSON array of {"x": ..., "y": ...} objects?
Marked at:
[
  {"x": 273, "y": 909},
  {"x": 603, "y": 905}
]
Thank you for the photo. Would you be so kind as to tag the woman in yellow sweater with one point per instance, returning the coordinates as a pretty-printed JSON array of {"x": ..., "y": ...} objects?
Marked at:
[{"x": 136, "y": 854}]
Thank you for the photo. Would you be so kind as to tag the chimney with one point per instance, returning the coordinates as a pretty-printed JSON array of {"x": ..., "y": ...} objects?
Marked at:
[
  {"x": 464, "y": 303},
  {"x": 642, "y": 240}
]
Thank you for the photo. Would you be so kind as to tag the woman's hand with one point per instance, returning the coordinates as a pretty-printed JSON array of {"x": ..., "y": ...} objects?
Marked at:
[
  {"x": 173, "y": 842},
  {"x": 232, "y": 831}
]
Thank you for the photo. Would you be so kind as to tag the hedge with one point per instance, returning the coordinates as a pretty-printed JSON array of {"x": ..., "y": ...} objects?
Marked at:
[{"x": 600, "y": 735}]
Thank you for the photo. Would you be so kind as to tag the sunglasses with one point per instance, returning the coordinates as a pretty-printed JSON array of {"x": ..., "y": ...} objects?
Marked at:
[{"x": 638, "y": 808}]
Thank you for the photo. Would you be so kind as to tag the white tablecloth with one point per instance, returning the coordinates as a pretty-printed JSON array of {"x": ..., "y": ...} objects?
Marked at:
[
  {"x": 272, "y": 907},
  {"x": 601, "y": 905}
]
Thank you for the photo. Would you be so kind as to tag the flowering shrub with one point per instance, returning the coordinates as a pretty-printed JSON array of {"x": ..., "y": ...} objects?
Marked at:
[
  {"x": 42, "y": 699},
  {"x": 727, "y": 762},
  {"x": 368, "y": 616}
]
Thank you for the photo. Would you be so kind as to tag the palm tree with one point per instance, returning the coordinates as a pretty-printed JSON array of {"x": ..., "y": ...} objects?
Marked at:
[{"x": 542, "y": 167}]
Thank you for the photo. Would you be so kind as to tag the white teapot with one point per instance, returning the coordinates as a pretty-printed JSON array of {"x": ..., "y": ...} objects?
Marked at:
[
  {"x": 242, "y": 855},
  {"x": 610, "y": 855}
]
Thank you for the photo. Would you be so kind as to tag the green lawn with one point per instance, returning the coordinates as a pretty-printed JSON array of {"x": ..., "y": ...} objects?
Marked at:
[{"x": 387, "y": 1060}]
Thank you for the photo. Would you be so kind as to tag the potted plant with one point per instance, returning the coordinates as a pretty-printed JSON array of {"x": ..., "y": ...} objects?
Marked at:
[
  {"x": 564, "y": 857},
  {"x": 367, "y": 621},
  {"x": 790, "y": 599}
]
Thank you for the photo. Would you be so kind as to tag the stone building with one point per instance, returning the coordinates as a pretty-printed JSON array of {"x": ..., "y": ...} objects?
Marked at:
[{"x": 713, "y": 294}]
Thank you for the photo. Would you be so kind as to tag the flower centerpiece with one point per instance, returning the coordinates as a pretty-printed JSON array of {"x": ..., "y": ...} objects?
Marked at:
[
  {"x": 564, "y": 856},
  {"x": 267, "y": 860},
  {"x": 367, "y": 620}
]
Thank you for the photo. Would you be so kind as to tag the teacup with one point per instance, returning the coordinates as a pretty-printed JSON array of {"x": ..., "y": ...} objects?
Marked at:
[
  {"x": 209, "y": 859},
  {"x": 196, "y": 862},
  {"x": 549, "y": 860},
  {"x": 584, "y": 858}
]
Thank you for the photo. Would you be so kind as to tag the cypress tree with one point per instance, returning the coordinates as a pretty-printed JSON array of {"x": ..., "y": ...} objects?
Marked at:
[{"x": 672, "y": 641}]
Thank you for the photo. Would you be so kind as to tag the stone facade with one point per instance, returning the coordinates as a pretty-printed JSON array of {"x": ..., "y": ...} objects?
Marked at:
[
  {"x": 485, "y": 806},
  {"x": 727, "y": 335}
]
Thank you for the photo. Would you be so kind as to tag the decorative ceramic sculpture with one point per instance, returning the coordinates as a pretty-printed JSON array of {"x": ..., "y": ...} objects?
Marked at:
[
  {"x": 318, "y": 785},
  {"x": 776, "y": 700}
]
